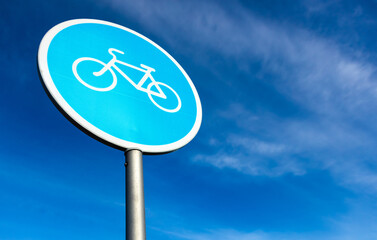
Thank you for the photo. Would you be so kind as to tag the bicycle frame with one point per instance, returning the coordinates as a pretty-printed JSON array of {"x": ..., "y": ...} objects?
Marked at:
[{"x": 145, "y": 69}]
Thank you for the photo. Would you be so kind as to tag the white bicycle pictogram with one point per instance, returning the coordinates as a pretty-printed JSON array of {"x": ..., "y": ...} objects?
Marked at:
[{"x": 139, "y": 86}]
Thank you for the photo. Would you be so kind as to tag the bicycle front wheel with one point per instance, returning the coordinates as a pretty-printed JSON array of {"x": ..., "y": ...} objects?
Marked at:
[
  {"x": 88, "y": 67},
  {"x": 171, "y": 104}
]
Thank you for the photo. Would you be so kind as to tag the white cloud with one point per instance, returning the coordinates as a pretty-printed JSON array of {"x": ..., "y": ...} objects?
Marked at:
[
  {"x": 257, "y": 146},
  {"x": 358, "y": 223},
  {"x": 230, "y": 234},
  {"x": 311, "y": 71},
  {"x": 335, "y": 86},
  {"x": 219, "y": 234},
  {"x": 252, "y": 156},
  {"x": 294, "y": 146}
]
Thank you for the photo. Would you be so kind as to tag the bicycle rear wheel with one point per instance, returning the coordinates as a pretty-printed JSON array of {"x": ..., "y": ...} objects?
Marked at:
[{"x": 159, "y": 105}]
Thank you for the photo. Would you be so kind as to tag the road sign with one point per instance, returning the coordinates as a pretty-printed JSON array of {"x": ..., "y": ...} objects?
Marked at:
[{"x": 119, "y": 86}]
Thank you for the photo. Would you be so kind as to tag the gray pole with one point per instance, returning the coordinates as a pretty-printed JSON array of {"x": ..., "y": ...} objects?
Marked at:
[{"x": 135, "y": 209}]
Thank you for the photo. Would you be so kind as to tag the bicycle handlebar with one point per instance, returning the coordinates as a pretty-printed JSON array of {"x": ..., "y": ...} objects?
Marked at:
[{"x": 111, "y": 50}]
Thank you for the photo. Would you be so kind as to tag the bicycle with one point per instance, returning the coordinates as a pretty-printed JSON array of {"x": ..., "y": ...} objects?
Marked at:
[{"x": 139, "y": 86}]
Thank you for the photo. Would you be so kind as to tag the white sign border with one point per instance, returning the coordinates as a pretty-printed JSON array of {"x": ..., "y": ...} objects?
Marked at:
[{"x": 109, "y": 139}]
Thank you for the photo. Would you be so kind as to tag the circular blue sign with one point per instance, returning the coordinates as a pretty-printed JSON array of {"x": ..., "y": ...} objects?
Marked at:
[{"x": 119, "y": 86}]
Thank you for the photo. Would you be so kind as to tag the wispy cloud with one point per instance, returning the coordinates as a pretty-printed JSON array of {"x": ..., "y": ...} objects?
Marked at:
[
  {"x": 230, "y": 234},
  {"x": 224, "y": 234},
  {"x": 358, "y": 223},
  {"x": 312, "y": 71},
  {"x": 252, "y": 156},
  {"x": 333, "y": 84}
]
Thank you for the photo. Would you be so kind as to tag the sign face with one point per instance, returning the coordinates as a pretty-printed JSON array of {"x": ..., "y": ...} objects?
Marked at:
[{"x": 119, "y": 86}]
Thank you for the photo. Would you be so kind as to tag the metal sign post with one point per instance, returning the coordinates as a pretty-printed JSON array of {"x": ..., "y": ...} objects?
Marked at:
[{"x": 135, "y": 209}]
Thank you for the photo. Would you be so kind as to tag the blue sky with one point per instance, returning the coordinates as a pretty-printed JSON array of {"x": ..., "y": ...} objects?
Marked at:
[{"x": 287, "y": 147}]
